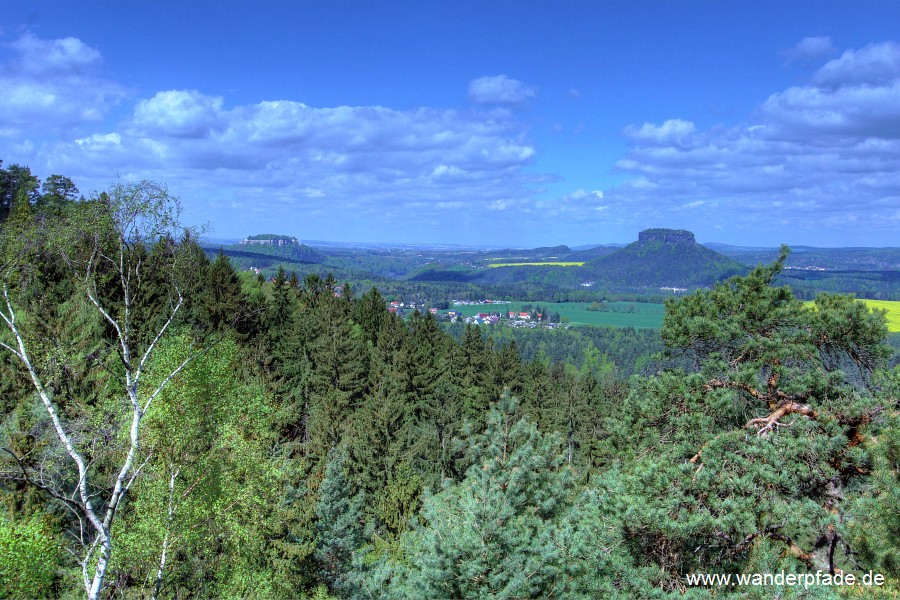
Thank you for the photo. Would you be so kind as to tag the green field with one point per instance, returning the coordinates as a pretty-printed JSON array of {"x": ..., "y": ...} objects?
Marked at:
[
  {"x": 892, "y": 308},
  {"x": 639, "y": 315},
  {"x": 537, "y": 264}
]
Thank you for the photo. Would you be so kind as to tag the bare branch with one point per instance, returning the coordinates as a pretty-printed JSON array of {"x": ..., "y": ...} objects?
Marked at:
[
  {"x": 137, "y": 472},
  {"x": 67, "y": 502},
  {"x": 159, "y": 335},
  {"x": 12, "y": 350}
]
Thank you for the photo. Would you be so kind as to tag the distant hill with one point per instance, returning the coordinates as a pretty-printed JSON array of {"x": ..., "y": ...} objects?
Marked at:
[
  {"x": 663, "y": 258},
  {"x": 262, "y": 256},
  {"x": 588, "y": 247},
  {"x": 524, "y": 254},
  {"x": 807, "y": 257},
  {"x": 589, "y": 254},
  {"x": 660, "y": 258}
]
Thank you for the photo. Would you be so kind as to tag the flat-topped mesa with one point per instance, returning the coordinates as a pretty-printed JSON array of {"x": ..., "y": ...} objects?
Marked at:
[
  {"x": 270, "y": 239},
  {"x": 666, "y": 236}
]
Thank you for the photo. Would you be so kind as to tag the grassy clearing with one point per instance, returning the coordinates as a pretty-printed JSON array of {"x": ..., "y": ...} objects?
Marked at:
[
  {"x": 537, "y": 264},
  {"x": 892, "y": 308},
  {"x": 639, "y": 315}
]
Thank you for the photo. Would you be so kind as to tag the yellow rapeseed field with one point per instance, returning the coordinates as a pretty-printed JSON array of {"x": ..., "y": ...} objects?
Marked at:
[
  {"x": 538, "y": 264},
  {"x": 893, "y": 312},
  {"x": 892, "y": 308}
]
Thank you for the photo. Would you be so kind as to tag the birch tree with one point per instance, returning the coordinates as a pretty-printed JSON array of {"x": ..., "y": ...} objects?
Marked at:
[{"x": 101, "y": 245}]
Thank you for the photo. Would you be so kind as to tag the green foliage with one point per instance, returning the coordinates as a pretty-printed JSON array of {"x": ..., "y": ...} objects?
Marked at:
[
  {"x": 17, "y": 186},
  {"x": 30, "y": 554},
  {"x": 272, "y": 236},
  {"x": 324, "y": 446},
  {"x": 59, "y": 193},
  {"x": 208, "y": 481},
  {"x": 264, "y": 256},
  {"x": 763, "y": 440},
  {"x": 339, "y": 526},
  {"x": 493, "y": 533},
  {"x": 875, "y": 524}
]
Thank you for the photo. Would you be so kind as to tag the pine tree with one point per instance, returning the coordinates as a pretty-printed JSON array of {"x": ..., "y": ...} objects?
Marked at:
[
  {"x": 380, "y": 432},
  {"x": 370, "y": 312},
  {"x": 874, "y": 524},
  {"x": 493, "y": 534},
  {"x": 338, "y": 373},
  {"x": 280, "y": 312},
  {"x": 227, "y": 304},
  {"x": 474, "y": 376},
  {"x": 339, "y": 526},
  {"x": 766, "y": 439},
  {"x": 507, "y": 369}
]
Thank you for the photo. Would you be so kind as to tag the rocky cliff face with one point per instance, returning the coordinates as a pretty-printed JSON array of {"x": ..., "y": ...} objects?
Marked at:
[{"x": 666, "y": 236}]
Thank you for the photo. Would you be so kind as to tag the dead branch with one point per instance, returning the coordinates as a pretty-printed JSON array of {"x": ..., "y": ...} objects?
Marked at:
[{"x": 766, "y": 424}]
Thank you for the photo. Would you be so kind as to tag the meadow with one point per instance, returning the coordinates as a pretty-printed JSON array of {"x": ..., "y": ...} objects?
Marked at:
[{"x": 640, "y": 315}]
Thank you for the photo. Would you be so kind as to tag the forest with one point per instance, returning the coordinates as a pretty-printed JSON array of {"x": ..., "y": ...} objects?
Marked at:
[{"x": 174, "y": 428}]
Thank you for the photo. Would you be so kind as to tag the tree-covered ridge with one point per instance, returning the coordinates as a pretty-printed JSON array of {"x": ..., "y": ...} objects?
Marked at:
[
  {"x": 305, "y": 442},
  {"x": 246, "y": 256}
]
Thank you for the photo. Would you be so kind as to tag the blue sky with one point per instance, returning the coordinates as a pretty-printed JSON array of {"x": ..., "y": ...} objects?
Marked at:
[{"x": 502, "y": 123}]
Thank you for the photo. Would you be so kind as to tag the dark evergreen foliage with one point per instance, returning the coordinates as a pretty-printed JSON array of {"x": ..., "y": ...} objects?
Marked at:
[{"x": 324, "y": 445}]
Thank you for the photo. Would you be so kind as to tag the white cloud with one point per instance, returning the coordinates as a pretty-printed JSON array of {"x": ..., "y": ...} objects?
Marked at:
[
  {"x": 672, "y": 131},
  {"x": 810, "y": 155},
  {"x": 100, "y": 141},
  {"x": 499, "y": 89},
  {"x": 290, "y": 158},
  {"x": 272, "y": 161},
  {"x": 876, "y": 64},
  {"x": 51, "y": 84},
  {"x": 811, "y": 49},
  {"x": 52, "y": 57},
  {"x": 858, "y": 110},
  {"x": 178, "y": 113}
]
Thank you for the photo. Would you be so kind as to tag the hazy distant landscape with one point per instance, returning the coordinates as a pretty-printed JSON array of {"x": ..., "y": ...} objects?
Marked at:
[{"x": 651, "y": 269}]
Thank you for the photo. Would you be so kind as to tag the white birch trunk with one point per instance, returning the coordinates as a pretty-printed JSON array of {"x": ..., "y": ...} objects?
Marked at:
[{"x": 135, "y": 204}]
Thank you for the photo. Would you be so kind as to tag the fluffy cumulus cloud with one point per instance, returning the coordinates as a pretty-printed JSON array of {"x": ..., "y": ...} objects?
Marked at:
[
  {"x": 811, "y": 49},
  {"x": 875, "y": 65},
  {"x": 178, "y": 113},
  {"x": 579, "y": 206},
  {"x": 499, "y": 89},
  {"x": 673, "y": 131},
  {"x": 821, "y": 155},
  {"x": 270, "y": 161},
  {"x": 812, "y": 157},
  {"x": 377, "y": 159},
  {"x": 51, "y": 84}
]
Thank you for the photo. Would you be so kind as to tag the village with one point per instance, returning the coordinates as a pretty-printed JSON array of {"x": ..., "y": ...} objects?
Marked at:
[{"x": 526, "y": 319}]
